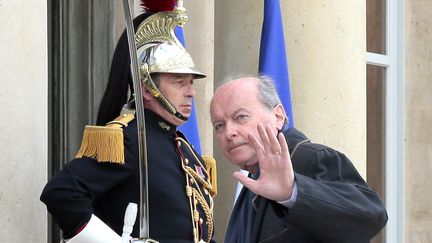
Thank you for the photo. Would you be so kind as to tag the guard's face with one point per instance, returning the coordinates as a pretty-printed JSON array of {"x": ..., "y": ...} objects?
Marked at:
[
  {"x": 236, "y": 111},
  {"x": 179, "y": 90}
]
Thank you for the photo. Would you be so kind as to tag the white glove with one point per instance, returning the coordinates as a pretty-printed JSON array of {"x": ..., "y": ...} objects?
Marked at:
[
  {"x": 96, "y": 231},
  {"x": 129, "y": 221}
]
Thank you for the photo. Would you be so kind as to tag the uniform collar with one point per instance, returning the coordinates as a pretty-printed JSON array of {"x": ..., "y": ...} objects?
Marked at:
[{"x": 155, "y": 121}]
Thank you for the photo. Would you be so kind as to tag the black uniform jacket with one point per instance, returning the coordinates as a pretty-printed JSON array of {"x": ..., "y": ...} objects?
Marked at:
[
  {"x": 334, "y": 204},
  {"x": 85, "y": 186}
]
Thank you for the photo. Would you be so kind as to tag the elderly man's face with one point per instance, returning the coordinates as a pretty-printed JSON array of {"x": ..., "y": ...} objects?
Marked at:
[{"x": 236, "y": 111}]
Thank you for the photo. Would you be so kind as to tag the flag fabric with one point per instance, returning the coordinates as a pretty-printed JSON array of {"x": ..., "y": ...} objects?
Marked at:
[
  {"x": 272, "y": 60},
  {"x": 190, "y": 128}
]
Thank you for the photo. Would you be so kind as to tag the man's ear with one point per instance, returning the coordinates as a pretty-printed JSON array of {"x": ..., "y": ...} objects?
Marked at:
[
  {"x": 280, "y": 116},
  {"x": 146, "y": 94}
]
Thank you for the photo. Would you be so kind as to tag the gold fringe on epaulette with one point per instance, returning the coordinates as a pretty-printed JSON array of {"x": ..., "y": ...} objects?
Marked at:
[
  {"x": 103, "y": 143},
  {"x": 212, "y": 171}
]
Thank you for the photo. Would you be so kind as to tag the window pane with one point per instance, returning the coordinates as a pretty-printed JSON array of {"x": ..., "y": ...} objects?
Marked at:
[
  {"x": 376, "y": 77},
  {"x": 376, "y": 26}
]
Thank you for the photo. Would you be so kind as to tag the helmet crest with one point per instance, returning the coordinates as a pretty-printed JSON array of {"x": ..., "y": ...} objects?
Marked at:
[{"x": 158, "y": 5}]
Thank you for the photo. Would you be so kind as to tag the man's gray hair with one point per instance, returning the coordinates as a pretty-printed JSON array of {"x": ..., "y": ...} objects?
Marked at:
[{"x": 267, "y": 93}]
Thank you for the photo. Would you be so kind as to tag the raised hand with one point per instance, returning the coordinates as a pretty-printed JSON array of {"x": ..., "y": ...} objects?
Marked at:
[{"x": 276, "y": 180}]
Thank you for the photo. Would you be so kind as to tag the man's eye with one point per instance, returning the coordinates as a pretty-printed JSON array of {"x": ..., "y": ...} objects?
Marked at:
[
  {"x": 217, "y": 127},
  {"x": 241, "y": 117}
]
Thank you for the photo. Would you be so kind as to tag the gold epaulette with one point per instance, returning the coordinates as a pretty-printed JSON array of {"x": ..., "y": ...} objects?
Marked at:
[
  {"x": 105, "y": 143},
  {"x": 211, "y": 169}
]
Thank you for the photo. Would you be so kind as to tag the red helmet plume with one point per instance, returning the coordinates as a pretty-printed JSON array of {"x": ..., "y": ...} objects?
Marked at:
[{"x": 158, "y": 5}]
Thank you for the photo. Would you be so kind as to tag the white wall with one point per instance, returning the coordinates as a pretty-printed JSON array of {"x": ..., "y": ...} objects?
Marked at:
[{"x": 23, "y": 123}]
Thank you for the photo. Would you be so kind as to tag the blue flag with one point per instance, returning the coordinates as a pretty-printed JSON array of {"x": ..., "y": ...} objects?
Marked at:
[
  {"x": 272, "y": 59},
  {"x": 190, "y": 128}
]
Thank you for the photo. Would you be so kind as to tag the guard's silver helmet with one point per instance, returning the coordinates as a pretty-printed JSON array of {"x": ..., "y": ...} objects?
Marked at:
[
  {"x": 168, "y": 57},
  {"x": 159, "y": 51}
]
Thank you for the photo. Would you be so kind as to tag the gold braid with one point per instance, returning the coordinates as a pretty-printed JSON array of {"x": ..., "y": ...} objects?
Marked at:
[
  {"x": 195, "y": 175},
  {"x": 195, "y": 195},
  {"x": 207, "y": 212}
]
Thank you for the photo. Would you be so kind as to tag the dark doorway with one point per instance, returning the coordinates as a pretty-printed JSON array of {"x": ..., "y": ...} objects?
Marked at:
[{"x": 80, "y": 43}]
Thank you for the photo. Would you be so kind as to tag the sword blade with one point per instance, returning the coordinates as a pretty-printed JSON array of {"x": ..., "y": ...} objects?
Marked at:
[{"x": 143, "y": 204}]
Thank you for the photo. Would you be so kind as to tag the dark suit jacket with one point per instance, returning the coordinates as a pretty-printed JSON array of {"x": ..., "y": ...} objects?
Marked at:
[{"x": 334, "y": 204}]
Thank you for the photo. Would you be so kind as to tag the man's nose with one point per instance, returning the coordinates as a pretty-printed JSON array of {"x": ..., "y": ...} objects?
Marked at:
[
  {"x": 191, "y": 91},
  {"x": 231, "y": 130}
]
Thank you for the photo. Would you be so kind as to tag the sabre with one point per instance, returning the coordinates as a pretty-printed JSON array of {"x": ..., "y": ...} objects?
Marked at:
[{"x": 144, "y": 234}]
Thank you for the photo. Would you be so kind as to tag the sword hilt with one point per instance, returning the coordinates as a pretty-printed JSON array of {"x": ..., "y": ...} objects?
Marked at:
[{"x": 142, "y": 240}]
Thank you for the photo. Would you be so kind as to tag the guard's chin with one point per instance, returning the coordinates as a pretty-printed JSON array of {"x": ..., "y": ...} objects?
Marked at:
[
  {"x": 186, "y": 117},
  {"x": 179, "y": 121},
  {"x": 185, "y": 110}
]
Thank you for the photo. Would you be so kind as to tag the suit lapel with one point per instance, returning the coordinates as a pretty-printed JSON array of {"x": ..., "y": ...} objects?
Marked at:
[{"x": 260, "y": 203}]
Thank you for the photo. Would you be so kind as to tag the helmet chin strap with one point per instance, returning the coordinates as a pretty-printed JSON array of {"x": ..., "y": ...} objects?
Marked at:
[{"x": 155, "y": 92}]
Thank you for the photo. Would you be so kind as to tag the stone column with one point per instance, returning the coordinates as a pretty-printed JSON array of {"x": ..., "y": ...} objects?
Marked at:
[
  {"x": 199, "y": 38},
  {"x": 418, "y": 129},
  {"x": 24, "y": 124},
  {"x": 326, "y": 46}
]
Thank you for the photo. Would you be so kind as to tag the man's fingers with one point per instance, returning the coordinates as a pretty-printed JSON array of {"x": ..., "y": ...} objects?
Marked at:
[
  {"x": 264, "y": 137},
  {"x": 256, "y": 145},
  {"x": 274, "y": 143},
  {"x": 245, "y": 181},
  {"x": 283, "y": 143}
]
